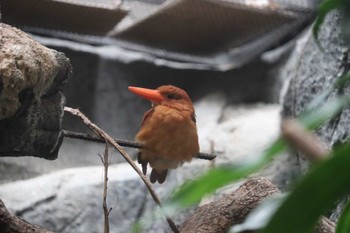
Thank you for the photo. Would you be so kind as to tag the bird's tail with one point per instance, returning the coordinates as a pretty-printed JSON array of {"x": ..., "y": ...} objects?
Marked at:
[{"x": 158, "y": 175}]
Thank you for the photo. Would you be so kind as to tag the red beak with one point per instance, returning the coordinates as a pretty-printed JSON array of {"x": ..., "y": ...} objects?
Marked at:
[{"x": 148, "y": 94}]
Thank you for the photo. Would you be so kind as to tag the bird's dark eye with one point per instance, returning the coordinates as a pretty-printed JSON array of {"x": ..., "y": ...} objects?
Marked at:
[{"x": 171, "y": 96}]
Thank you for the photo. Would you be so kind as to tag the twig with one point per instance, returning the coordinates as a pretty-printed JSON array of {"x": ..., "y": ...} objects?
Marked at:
[
  {"x": 105, "y": 161},
  {"x": 126, "y": 143},
  {"x": 111, "y": 141},
  {"x": 212, "y": 146},
  {"x": 304, "y": 141}
]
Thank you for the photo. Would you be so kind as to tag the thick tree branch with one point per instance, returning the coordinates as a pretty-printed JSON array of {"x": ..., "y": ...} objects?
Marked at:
[
  {"x": 121, "y": 142},
  {"x": 219, "y": 216},
  {"x": 111, "y": 141},
  {"x": 12, "y": 224}
]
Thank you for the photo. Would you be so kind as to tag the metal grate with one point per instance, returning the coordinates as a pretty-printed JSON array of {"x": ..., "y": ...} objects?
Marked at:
[
  {"x": 203, "y": 27},
  {"x": 78, "y": 16},
  {"x": 217, "y": 34}
]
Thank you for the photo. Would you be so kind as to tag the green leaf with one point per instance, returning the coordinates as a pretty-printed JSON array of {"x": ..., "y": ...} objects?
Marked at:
[
  {"x": 342, "y": 81},
  {"x": 136, "y": 227},
  {"x": 343, "y": 225},
  {"x": 320, "y": 99},
  {"x": 191, "y": 192},
  {"x": 319, "y": 110},
  {"x": 313, "y": 119},
  {"x": 325, "y": 7},
  {"x": 260, "y": 216},
  {"x": 325, "y": 183}
]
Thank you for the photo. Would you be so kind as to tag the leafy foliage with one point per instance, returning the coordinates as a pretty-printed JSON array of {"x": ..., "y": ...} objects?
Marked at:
[
  {"x": 315, "y": 194},
  {"x": 192, "y": 191},
  {"x": 260, "y": 216}
]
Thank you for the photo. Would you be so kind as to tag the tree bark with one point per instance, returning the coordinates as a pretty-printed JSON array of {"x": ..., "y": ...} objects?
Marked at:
[
  {"x": 12, "y": 224},
  {"x": 325, "y": 226},
  {"x": 219, "y": 216}
]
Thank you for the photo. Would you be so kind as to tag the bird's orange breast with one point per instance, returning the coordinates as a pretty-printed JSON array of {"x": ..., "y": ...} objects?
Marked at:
[{"x": 170, "y": 138}]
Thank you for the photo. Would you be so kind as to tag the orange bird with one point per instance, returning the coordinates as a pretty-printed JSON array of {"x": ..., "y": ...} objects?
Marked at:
[{"x": 168, "y": 130}]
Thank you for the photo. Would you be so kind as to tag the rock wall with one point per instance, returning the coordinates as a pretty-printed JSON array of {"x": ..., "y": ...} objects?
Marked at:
[
  {"x": 31, "y": 105},
  {"x": 309, "y": 71}
]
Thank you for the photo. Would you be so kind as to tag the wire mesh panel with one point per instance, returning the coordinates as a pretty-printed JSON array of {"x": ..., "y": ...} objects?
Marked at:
[
  {"x": 203, "y": 27},
  {"x": 218, "y": 34},
  {"x": 75, "y": 16}
]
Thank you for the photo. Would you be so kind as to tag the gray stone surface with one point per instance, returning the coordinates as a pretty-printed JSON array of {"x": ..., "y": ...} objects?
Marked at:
[
  {"x": 311, "y": 71},
  {"x": 70, "y": 200},
  {"x": 31, "y": 104}
]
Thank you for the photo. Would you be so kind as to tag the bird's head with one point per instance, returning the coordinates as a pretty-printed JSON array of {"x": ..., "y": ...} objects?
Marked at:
[{"x": 167, "y": 95}]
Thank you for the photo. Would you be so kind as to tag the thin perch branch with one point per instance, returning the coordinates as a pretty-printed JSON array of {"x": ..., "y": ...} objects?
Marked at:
[
  {"x": 105, "y": 161},
  {"x": 126, "y": 143},
  {"x": 92, "y": 138},
  {"x": 111, "y": 141}
]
